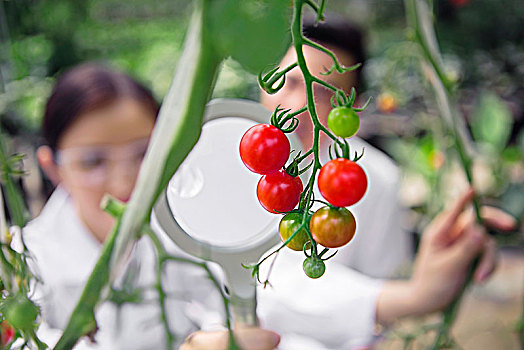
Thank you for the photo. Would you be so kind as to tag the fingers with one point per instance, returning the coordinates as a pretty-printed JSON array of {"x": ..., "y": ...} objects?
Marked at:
[
  {"x": 487, "y": 261},
  {"x": 248, "y": 338},
  {"x": 442, "y": 229},
  {"x": 468, "y": 246},
  {"x": 498, "y": 219},
  {"x": 203, "y": 340}
]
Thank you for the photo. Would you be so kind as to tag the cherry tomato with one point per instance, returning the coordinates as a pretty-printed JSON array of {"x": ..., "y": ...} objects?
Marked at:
[
  {"x": 19, "y": 311},
  {"x": 332, "y": 227},
  {"x": 386, "y": 102},
  {"x": 288, "y": 225},
  {"x": 7, "y": 333},
  {"x": 314, "y": 267},
  {"x": 342, "y": 182},
  {"x": 264, "y": 148},
  {"x": 279, "y": 192},
  {"x": 343, "y": 121}
]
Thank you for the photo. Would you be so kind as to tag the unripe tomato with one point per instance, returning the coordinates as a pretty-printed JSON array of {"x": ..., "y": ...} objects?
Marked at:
[
  {"x": 314, "y": 267},
  {"x": 279, "y": 192},
  {"x": 19, "y": 311},
  {"x": 343, "y": 121},
  {"x": 264, "y": 149},
  {"x": 332, "y": 227},
  {"x": 342, "y": 182},
  {"x": 288, "y": 225}
]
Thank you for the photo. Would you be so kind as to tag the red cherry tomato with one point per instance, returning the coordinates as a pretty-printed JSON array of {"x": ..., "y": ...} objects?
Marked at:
[
  {"x": 7, "y": 333},
  {"x": 264, "y": 148},
  {"x": 279, "y": 192},
  {"x": 332, "y": 227},
  {"x": 342, "y": 182}
]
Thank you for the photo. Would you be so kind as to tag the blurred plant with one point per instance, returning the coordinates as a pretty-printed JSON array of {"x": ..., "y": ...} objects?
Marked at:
[
  {"x": 18, "y": 313},
  {"x": 487, "y": 163}
]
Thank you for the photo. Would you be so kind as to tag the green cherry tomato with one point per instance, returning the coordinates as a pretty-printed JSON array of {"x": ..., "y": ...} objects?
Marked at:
[
  {"x": 288, "y": 225},
  {"x": 343, "y": 121},
  {"x": 332, "y": 227},
  {"x": 314, "y": 267},
  {"x": 20, "y": 312}
]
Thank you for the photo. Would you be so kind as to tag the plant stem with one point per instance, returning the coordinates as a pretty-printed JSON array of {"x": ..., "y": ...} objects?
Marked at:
[
  {"x": 177, "y": 128},
  {"x": 82, "y": 320},
  {"x": 163, "y": 257},
  {"x": 420, "y": 22}
]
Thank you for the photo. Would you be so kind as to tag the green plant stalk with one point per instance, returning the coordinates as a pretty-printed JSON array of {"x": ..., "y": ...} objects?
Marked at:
[
  {"x": 178, "y": 127},
  {"x": 82, "y": 321},
  {"x": 163, "y": 257},
  {"x": 298, "y": 42},
  {"x": 6, "y": 268},
  {"x": 423, "y": 36},
  {"x": 176, "y": 132}
]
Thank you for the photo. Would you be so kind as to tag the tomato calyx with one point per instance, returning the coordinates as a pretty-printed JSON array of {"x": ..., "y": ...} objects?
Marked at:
[
  {"x": 272, "y": 81},
  {"x": 340, "y": 99}
]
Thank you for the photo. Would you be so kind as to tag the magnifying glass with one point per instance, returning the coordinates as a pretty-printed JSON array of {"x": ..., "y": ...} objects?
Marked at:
[{"x": 210, "y": 209}]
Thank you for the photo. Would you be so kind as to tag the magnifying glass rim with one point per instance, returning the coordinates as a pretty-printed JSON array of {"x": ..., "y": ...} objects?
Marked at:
[{"x": 215, "y": 109}]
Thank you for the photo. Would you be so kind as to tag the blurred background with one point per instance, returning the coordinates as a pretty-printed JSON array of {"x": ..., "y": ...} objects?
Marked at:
[{"x": 482, "y": 42}]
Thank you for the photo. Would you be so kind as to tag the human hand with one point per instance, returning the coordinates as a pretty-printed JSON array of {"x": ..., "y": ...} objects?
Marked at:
[
  {"x": 448, "y": 247},
  {"x": 248, "y": 338}
]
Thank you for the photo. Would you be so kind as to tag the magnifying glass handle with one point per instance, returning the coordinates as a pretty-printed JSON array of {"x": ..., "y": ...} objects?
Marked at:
[{"x": 244, "y": 310}]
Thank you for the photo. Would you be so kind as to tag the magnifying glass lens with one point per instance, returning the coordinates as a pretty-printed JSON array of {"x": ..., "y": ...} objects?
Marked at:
[{"x": 213, "y": 195}]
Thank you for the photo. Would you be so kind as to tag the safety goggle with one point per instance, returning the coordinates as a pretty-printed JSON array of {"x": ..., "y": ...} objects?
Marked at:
[{"x": 94, "y": 165}]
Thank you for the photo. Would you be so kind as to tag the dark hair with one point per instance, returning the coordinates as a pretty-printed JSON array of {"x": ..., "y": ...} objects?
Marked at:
[
  {"x": 339, "y": 32},
  {"x": 85, "y": 88}
]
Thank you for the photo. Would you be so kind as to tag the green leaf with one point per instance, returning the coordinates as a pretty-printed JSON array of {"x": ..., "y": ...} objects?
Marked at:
[
  {"x": 492, "y": 121},
  {"x": 253, "y": 32}
]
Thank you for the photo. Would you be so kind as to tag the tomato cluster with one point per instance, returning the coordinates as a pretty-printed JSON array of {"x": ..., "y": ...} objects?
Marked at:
[{"x": 265, "y": 149}]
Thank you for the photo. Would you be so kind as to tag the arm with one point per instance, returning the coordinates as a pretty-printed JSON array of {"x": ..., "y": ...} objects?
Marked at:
[{"x": 449, "y": 246}]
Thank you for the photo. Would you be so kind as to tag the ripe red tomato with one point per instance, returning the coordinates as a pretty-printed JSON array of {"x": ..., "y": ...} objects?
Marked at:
[
  {"x": 279, "y": 192},
  {"x": 7, "y": 333},
  {"x": 342, "y": 182},
  {"x": 343, "y": 121},
  {"x": 288, "y": 225},
  {"x": 332, "y": 227},
  {"x": 264, "y": 148}
]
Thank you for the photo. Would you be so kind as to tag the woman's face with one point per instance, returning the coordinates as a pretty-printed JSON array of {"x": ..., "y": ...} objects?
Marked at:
[
  {"x": 100, "y": 153},
  {"x": 293, "y": 93}
]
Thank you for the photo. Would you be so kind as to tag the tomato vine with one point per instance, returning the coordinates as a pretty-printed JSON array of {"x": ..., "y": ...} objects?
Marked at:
[{"x": 339, "y": 128}]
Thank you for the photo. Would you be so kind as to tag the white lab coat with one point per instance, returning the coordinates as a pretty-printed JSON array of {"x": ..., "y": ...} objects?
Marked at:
[
  {"x": 381, "y": 245},
  {"x": 334, "y": 312}
]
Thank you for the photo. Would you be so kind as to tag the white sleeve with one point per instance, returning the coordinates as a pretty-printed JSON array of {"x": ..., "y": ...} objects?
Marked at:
[{"x": 337, "y": 310}]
